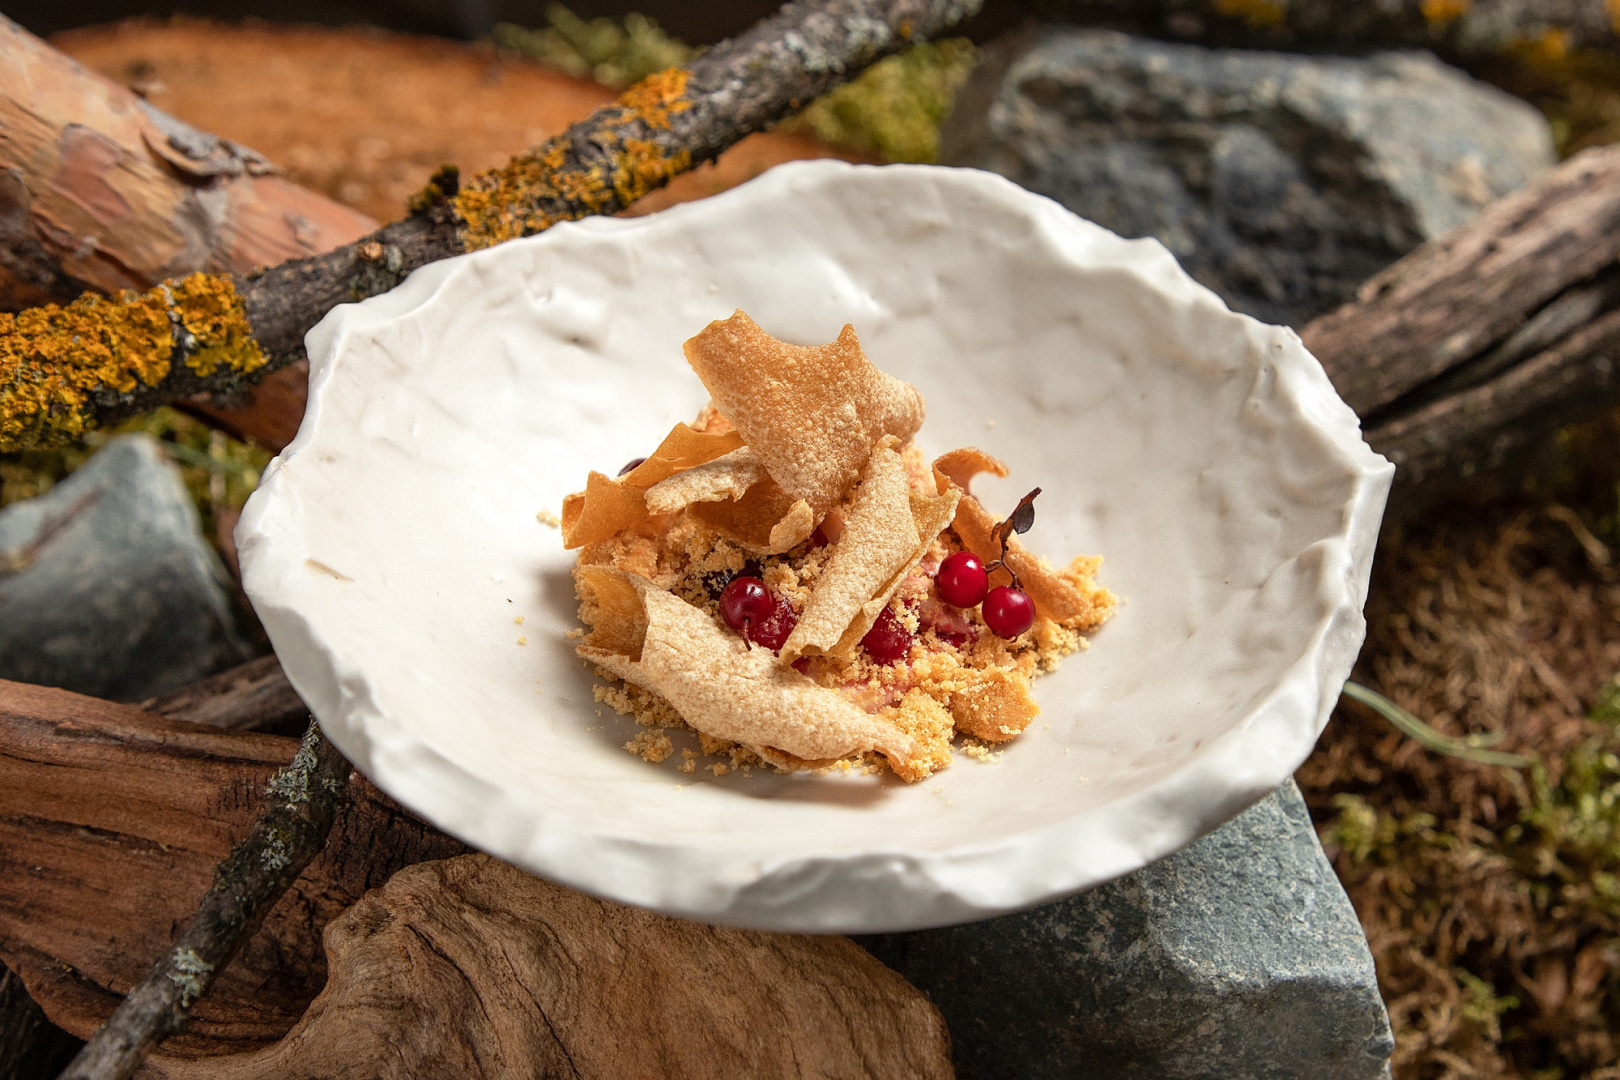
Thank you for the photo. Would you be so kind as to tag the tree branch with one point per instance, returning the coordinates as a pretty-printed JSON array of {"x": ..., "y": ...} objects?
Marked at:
[
  {"x": 52, "y": 388},
  {"x": 303, "y": 800}
]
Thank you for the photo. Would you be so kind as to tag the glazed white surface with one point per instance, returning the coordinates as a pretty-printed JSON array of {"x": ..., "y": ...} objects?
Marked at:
[{"x": 1205, "y": 455}]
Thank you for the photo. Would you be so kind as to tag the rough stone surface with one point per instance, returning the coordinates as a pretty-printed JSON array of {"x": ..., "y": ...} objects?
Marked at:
[
  {"x": 107, "y": 586},
  {"x": 1280, "y": 181},
  {"x": 1238, "y": 957}
]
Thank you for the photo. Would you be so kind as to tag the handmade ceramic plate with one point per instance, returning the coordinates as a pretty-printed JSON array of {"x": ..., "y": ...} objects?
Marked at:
[{"x": 421, "y": 606}]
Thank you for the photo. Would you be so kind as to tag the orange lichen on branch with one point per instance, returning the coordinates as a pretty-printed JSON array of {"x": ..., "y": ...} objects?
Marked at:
[
  {"x": 54, "y": 360},
  {"x": 211, "y": 310},
  {"x": 512, "y": 201}
]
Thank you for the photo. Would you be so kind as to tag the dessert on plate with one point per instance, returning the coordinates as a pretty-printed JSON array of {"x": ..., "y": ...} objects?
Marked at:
[{"x": 790, "y": 577}]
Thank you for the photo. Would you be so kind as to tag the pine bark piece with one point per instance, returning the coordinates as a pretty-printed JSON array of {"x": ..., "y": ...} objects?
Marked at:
[
  {"x": 100, "y": 190},
  {"x": 470, "y": 968},
  {"x": 112, "y": 821},
  {"x": 659, "y": 128}
]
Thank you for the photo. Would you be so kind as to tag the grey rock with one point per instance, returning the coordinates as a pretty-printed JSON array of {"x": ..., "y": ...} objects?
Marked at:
[
  {"x": 1280, "y": 181},
  {"x": 1238, "y": 958},
  {"x": 107, "y": 586}
]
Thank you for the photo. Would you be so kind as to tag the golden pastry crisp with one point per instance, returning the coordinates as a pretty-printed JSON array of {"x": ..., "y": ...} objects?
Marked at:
[{"x": 770, "y": 575}]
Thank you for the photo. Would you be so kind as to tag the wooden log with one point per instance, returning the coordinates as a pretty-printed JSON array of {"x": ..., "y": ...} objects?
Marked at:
[
  {"x": 254, "y": 696},
  {"x": 220, "y": 334},
  {"x": 1481, "y": 342},
  {"x": 100, "y": 190},
  {"x": 1459, "y": 29},
  {"x": 31, "y": 1046},
  {"x": 300, "y": 803},
  {"x": 112, "y": 821},
  {"x": 470, "y": 968}
]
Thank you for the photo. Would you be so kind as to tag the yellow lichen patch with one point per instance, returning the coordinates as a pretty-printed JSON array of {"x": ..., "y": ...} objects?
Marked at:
[
  {"x": 1440, "y": 14},
  {"x": 511, "y": 201},
  {"x": 212, "y": 312},
  {"x": 53, "y": 359},
  {"x": 1257, "y": 13}
]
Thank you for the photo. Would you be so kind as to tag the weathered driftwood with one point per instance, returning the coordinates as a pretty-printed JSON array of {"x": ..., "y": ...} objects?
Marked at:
[
  {"x": 1479, "y": 343},
  {"x": 112, "y": 821},
  {"x": 1462, "y": 29},
  {"x": 220, "y": 333},
  {"x": 469, "y": 968},
  {"x": 254, "y": 696},
  {"x": 300, "y": 803},
  {"x": 112, "y": 818}
]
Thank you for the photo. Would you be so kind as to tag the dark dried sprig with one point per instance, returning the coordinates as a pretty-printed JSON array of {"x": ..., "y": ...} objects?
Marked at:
[{"x": 1020, "y": 521}]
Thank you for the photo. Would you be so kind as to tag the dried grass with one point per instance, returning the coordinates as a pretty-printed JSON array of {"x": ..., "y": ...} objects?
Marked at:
[{"x": 1487, "y": 893}]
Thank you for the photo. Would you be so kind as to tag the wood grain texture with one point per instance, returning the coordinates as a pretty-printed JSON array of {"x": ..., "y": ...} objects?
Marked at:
[
  {"x": 254, "y": 696},
  {"x": 103, "y": 191},
  {"x": 111, "y": 823},
  {"x": 469, "y": 968},
  {"x": 1450, "y": 300}
]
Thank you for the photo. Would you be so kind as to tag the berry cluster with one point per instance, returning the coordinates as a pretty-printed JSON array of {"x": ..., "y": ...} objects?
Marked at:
[
  {"x": 757, "y": 613},
  {"x": 964, "y": 580}
]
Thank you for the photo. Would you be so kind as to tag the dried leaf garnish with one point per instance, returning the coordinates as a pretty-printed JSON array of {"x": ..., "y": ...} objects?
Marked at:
[
  {"x": 811, "y": 413},
  {"x": 887, "y": 532},
  {"x": 1069, "y": 597},
  {"x": 719, "y": 686}
]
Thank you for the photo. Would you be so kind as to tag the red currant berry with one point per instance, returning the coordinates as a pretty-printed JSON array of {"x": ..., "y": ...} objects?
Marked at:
[
  {"x": 962, "y": 580},
  {"x": 746, "y": 602},
  {"x": 888, "y": 640},
  {"x": 773, "y": 632},
  {"x": 1008, "y": 612}
]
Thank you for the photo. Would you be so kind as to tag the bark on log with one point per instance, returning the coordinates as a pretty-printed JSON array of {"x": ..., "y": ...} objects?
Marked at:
[
  {"x": 221, "y": 334},
  {"x": 254, "y": 696},
  {"x": 111, "y": 823},
  {"x": 1459, "y": 29},
  {"x": 31, "y": 1046},
  {"x": 472, "y": 969},
  {"x": 300, "y": 803},
  {"x": 1480, "y": 343},
  {"x": 100, "y": 190},
  {"x": 110, "y": 818}
]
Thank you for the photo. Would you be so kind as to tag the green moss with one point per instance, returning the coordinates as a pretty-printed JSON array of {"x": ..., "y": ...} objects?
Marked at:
[
  {"x": 614, "y": 52},
  {"x": 894, "y": 110}
]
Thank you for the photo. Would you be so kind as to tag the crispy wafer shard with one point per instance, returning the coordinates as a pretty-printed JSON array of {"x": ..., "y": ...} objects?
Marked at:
[
  {"x": 728, "y": 476},
  {"x": 887, "y": 532},
  {"x": 683, "y": 448},
  {"x": 1070, "y": 597},
  {"x": 606, "y": 508},
  {"x": 811, "y": 413},
  {"x": 653, "y": 638}
]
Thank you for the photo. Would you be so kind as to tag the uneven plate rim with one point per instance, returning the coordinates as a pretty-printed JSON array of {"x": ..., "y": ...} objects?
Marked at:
[{"x": 877, "y": 890}]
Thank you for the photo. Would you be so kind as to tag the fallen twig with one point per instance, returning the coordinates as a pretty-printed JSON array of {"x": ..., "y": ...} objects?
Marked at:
[{"x": 303, "y": 800}]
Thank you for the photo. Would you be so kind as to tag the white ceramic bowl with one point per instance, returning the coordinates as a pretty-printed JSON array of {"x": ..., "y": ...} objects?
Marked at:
[{"x": 394, "y": 546}]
